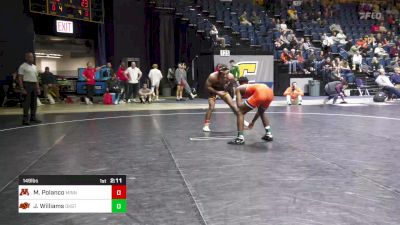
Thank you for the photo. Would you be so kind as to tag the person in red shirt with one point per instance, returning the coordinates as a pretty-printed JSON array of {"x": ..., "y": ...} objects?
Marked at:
[
  {"x": 375, "y": 28},
  {"x": 123, "y": 80},
  {"x": 90, "y": 77}
]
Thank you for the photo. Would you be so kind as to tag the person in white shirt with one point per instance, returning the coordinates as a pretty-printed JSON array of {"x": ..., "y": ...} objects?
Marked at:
[
  {"x": 28, "y": 81},
  {"x": 327, "y": 43},
  {"x": 357, "y": 61},
  {"x": 214, "y": 35},
  {"x": 134, "y": 74},
  {"x": 155, "y": 77},
  {"x": 380, "y": 52},
  {"x": 384, "y": 82}
]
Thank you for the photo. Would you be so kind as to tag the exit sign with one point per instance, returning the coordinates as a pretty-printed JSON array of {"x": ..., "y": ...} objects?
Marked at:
[{"x": 66, "y": 27}]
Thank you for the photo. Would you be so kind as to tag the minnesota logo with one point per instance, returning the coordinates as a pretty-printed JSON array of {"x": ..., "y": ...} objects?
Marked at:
[
  {"x": 24, "y": 191},
  {"x": 24, "y": 205},
  {"x": 247, "y": 68}
]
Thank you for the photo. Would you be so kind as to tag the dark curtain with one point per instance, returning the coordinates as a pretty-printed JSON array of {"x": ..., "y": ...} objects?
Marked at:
[
  {"x": 167, "y": 42},
  {"x": 101, "y": 45}
]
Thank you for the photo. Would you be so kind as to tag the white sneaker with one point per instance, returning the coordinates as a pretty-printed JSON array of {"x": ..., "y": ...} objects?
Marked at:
[
  {"x": 129, "y": 101},
  {"x": 246, "y": 124},
  {"x": 87, "y": 101},
  {"x": 206, "y": 129}
]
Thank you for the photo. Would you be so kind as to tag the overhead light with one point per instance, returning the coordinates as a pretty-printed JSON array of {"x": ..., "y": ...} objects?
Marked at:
[
  {"x": 47, "y": 56},
  {"x": 50, "y": 54}
]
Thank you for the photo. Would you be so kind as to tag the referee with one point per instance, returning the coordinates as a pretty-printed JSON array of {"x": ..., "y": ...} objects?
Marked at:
[{"x": 28, "y": 81}]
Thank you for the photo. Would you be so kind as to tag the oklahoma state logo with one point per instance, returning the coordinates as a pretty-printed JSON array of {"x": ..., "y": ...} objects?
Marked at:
[
  {"x": 24, "y": 205},
  {"x": 24, "y": 191},
  {"x": 247, "y": 68}
]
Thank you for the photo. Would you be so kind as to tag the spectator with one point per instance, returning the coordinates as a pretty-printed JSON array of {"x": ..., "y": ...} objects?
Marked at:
[
  {"x": 113, "y": 86},
  {"x": 123, "y": 78},
  {"x": 292, "y": 62},
  {"x": 155, "y": 77},
  {"x": 145, "y": 94},
  {"x": 292, "y": 14},
  {"x": 327, "y": 43},
  {"x": 215, "y": 37},
  {"x": 182, "y": 84},
  {"x": 370, "y": 40},
  {"x": 234, "y": 69},
  {"x": 334, "y": 90},
  {"x": 307, "y": 45},
  {"x": 327, "y": 68},
  {"x": 310, "y": 62},
  {"x": 391, "y": 21},
  {"x": 345, "y": 72},
  {"x": 279, "y": 44},
  {"x": 243, "y": 19},
  {"x": 28, "y": 82},
  {"x": 337, "y": 62},
  {"x": 134, "y": 74},
  {"x": 375, "y": 28},
  {"x": 353, "y": 50},
  {"x": 340, "y": 38},
  {"x": 357, "y": 61},
  {"x": 384, "y": 82},
  {"x": 380, "y": 52},
  {"x": 396, "y": 77},
  {"x": 293, "y": 95},
  {"x": 50, "y": 85},
  {"x": 285, "y": 56},
  {"x": 348, "y": 45},
  {"x": 382, "y": 28},
  {"x": 282, "y": 26},
  {"x": 394, "y": 51},
  {"x": 375, "y": 64},
  {"x": 255, "y": 19},
  {"x": 109, "y": 70},
  {"x": 301, "y": 62},
  {"x": 90, "y": 76}
]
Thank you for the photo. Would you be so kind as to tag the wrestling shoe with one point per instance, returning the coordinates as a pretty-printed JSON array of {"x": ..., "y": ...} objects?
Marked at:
[
  {"x": 237, "y": 141},
  {"x": 268, "y": 137},
  {"x": 206, "y": 129}
]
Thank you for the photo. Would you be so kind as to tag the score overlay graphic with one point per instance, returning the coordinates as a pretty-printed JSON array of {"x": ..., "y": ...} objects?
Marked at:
[{"x": 72, "y": 194}]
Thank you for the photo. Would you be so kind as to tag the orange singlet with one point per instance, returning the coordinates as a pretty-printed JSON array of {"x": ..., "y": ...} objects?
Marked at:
[{"x": 258, "y": 95}]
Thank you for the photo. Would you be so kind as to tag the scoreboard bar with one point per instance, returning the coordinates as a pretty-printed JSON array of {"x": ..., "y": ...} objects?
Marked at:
[
  {"x": 72, "y": 180},
  {"x": 72, "y": 194}
]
